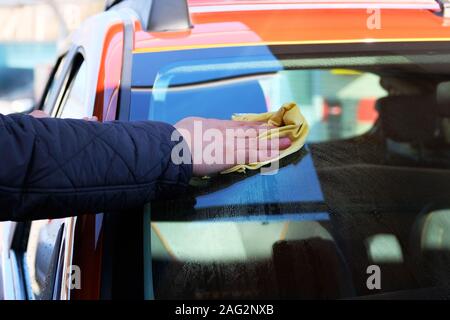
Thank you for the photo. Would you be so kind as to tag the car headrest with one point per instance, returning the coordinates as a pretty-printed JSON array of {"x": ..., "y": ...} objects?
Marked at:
[
  {"x": 409, "y": 118},
  {"x": 443, "y": 99}
]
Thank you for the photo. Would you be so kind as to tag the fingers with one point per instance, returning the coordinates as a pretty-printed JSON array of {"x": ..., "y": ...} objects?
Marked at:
[
  {"x": 93, "y": 118},
  {"x": 42, "y": 114},
  {"x": 285, "y": 143},
  {"x": 231, "y": 124},
  {"x": 262, "y": 144},
  {"x": 230, "y": 143},
  {"x": 234, "y": 123},
  {"x": 39, "y": 114},
  {"x": 250, "y": 150},
  {"x": 246, "y": 156},
  {"x": 244, "y": 133}
]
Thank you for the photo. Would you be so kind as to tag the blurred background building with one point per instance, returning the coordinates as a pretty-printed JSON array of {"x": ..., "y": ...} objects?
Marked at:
[{"x": 29, "y": 36}]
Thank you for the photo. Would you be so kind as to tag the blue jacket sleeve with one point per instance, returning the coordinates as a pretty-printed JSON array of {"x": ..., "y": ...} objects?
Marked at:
[{"x": 52, "y": 168}]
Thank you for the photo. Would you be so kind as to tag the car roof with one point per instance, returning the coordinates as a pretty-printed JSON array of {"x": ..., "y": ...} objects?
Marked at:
[{"x": 225, "y": 23}]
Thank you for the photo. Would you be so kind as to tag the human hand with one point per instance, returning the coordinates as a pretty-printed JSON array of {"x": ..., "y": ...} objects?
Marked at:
[
  {"x": 217, "y": 145},
  {"x": 43, "y": 114},
  {"x": 93, "y": 118},
  {"x": 39, "y": 114}
]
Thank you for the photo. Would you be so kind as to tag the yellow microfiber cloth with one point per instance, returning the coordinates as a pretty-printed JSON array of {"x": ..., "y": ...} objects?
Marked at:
[{"x": 290, "y": 122}]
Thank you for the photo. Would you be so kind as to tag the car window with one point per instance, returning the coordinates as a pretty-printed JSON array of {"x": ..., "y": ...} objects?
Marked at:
[
  {"x": 41, "y": 257},
  {"x": 42, "y": 263},
  {"x": 55, "y": 76},
  {"x": 376, "y": 158},
  {"x": 73, "y": 103}
]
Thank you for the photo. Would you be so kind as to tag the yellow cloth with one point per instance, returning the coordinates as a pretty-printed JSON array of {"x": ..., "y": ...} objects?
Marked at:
[{"x": 290, "y": 122}]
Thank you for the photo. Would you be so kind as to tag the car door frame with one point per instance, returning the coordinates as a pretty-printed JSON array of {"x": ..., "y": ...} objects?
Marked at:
[{"x": 15, "y": 279}]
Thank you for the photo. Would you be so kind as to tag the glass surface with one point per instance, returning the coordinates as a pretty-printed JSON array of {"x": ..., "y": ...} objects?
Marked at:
[
  {"x": 52, "y": 85},
  {"x": 74, "y": 105},
  {"x": 41, "y": 257},
  {"x": 371, "y": 187}
]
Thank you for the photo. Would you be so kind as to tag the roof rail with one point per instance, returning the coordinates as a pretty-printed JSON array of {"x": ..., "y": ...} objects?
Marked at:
[{"x": 169, "y": 15}]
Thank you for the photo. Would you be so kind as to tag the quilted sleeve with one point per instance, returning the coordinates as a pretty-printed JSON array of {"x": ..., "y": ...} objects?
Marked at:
[{"x": 53, "y": 168}]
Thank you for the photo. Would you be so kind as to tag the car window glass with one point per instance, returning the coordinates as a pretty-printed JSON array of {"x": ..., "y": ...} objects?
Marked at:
[
  {"x": 73, "y": 105},
  {"x": 44, "y": 241},
  {"x": 41, "y": 257},
  {"x": 377, "y": 157},
  {"x": 337, "y": 102},
  {"x": 54, "y": 78}
]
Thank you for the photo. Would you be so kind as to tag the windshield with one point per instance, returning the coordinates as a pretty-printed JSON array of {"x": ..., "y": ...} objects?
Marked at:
[{"x": 370, "y": 188}]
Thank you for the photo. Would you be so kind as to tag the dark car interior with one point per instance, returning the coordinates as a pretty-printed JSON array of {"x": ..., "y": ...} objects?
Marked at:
[{"x": 405, "y": 172}]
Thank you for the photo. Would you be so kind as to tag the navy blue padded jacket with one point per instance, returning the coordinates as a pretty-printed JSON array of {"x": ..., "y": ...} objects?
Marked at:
[{"x": 52, "y": 168}]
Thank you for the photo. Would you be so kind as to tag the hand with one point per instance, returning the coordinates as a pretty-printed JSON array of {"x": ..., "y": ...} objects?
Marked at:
[
  {"x": 42, "y": 114},
  {"x": 39, "y": 114},
  {"x": 93, "y": 118},
  {"x": 217, "y": 145}
]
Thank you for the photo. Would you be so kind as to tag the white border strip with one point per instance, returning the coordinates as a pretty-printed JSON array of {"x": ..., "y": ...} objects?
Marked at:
[{"x": 311, "y": 6}]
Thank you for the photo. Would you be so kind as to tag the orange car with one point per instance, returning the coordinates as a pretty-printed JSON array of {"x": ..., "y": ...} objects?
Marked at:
[{"x": 363, "y": 211}]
